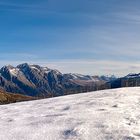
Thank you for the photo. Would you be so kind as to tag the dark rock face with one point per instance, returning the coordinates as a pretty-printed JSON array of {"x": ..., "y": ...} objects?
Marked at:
[
  {"x": 131, "y": 80},
  {"x": 34, "y": 80}
]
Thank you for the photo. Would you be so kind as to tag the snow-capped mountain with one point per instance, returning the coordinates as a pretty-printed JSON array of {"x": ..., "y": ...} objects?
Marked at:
[
  {"x": 34, "y": 80},
  {"x": 108, "y": 78},
  {"x": 130, "y": 80},
  {"x": 133, "y": 75},
  {"x": 103, "y": 115}
]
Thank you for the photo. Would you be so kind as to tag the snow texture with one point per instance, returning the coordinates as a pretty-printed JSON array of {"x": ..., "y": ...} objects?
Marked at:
[
  {"x": 14, "y": 71},
  {"x": 101, "y": 115}
]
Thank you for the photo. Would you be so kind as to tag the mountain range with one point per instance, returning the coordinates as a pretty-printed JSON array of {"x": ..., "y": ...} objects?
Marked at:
[
  {"x": 131, "y": 80},
  {"x": 42, "y": 82},
  {"x": 34, "y": 80}
]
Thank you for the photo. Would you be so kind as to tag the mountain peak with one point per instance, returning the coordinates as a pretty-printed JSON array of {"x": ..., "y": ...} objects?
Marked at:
[
  {"x": 7, "y": 67},
  {"x": 132, "y": 75},
  {"x": 24, "y": 65}
]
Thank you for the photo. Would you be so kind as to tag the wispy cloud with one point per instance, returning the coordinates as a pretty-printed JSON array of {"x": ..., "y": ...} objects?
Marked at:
[
  {"x": 23, "y": 7},
  {"x": 86, "y": 36}
]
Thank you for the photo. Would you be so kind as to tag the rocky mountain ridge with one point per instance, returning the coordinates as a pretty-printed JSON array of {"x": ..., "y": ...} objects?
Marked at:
[
  {"x": 42, "y": 82},
  {"x": 34, "y": 80},
  {"x": 130, "y": 80}
]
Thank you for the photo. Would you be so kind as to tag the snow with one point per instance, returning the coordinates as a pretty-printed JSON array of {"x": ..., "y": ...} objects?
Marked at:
[
  {"x": 35, "y": 68},
  {"x": 81, "y": 77},
  {"x": 77, "y": 76},
  {"x": 102, "y": 115},
  {"x": 14, "y": 71},
  {"x": 131, "y": 75},
  {"x": 95, "y": 79},
  {"x": 84, "y": 77}
]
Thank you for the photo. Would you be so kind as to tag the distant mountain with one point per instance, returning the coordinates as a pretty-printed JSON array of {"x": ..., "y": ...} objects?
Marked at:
[
  {"x": 34, "y": 80},
  {"x": 6, "y": 98},
  {"x": 131, "y": 80},
  {"x": 108, "y": 78}
]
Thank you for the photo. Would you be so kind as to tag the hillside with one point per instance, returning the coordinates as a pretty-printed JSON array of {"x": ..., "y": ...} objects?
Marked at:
[
  {"x": 102, "y": 115},
  {"x": 6, "y": 97}
]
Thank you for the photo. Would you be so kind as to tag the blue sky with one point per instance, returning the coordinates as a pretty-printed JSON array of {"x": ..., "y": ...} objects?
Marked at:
[{"x": 82, "y": 36}]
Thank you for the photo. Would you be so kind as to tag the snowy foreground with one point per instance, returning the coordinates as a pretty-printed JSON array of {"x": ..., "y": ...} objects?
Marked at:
[{"x": 101, "y": 115}]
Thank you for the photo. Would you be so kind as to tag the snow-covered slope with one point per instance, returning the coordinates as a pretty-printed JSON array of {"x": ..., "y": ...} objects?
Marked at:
[{"x": 101, "y": 115}]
